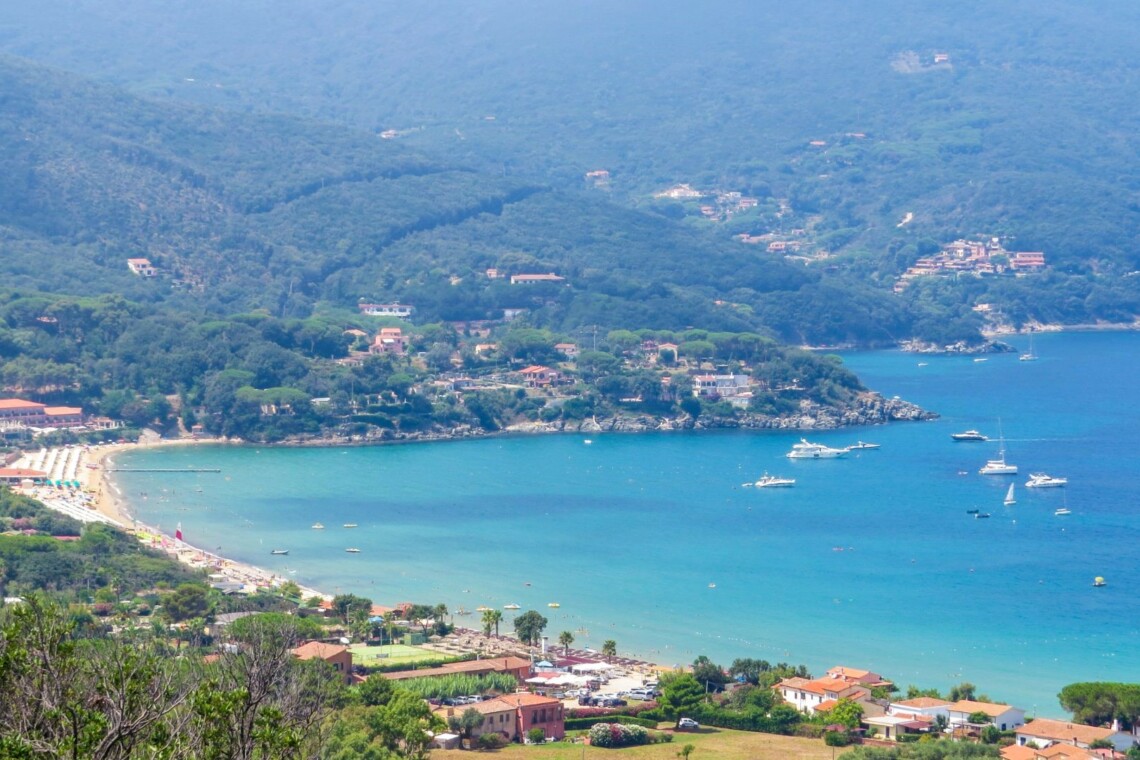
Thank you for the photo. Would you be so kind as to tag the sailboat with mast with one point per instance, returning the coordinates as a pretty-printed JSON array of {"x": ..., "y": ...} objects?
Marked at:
[
  {"x": 999, "y": 466},
  {"x": 1029, "y": 356},
  {"x": 1009, "y": 501}
]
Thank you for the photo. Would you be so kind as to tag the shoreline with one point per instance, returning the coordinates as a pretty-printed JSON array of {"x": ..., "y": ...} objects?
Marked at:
[{"x": 107, "y": 499}]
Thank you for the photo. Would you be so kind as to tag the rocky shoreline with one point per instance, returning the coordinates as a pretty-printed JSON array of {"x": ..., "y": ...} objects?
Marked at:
[{"x": 867, "y": 409}]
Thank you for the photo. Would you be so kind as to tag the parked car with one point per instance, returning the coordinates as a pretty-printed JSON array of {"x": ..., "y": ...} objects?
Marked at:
[{"x": 687, "y": 724}]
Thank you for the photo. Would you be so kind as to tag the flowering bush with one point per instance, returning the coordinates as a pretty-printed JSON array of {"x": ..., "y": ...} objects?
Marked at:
[{"x": 617, "y": 735}]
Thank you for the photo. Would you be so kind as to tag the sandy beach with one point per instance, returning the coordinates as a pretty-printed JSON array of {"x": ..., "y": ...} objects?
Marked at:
[{"x": 99, "y": 499}]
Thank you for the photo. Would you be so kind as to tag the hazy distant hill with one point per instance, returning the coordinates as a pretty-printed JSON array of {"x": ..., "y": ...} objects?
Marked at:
[
  {"x": 240, "y": 212},
  {"x": 1020, "y": 129}
]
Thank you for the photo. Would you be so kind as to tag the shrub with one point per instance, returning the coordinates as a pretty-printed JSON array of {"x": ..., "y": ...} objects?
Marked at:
[
  {"x": 617, "y": 735},
  {"x": 491, "y": 741},
  {"x": 536, "y": 736},
  {"x": 101, "y": 609},
  {"x": 576, "y": 724},
  {"x": 836, "y": 738}
]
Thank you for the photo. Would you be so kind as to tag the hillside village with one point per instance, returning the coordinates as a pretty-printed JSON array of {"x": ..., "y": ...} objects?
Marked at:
[{"x": 977, "y": 258}]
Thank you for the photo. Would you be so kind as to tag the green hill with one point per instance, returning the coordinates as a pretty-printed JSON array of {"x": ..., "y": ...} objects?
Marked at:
[{"x": 1015, "y": 131}]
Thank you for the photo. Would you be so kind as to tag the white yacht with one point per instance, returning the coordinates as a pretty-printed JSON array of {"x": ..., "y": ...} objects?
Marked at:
[
  {"x": 863, "y": 445},
  {"x": 969, "y": 435},
  {"x": 806, "y": 450},
  {"x": 999, "y": 466},
  {"x": 771, "y": 481},
  {"x": 1041, "y": 480}
]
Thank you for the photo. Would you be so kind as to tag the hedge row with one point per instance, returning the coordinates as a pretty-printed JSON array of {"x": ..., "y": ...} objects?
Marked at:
[
  {"x": 576, "y": 724},
  {"x": 752, "y": 720},
  {"x": 435, "y": 662}
]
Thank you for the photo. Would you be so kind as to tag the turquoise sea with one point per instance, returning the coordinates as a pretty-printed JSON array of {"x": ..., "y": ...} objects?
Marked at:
[{"x": 869, "y": 561}]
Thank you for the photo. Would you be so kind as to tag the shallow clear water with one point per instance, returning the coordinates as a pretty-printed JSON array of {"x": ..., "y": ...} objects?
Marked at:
[{"x": 869, "y": 561}]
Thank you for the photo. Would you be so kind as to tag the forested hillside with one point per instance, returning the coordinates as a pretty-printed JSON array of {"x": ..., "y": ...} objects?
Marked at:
[
  {"x": 977, "y": 118},
  {"x": 242, "y": 212}
]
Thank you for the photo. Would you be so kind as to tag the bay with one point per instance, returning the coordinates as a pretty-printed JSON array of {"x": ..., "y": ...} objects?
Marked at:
[{"x": 870, "y": 561}]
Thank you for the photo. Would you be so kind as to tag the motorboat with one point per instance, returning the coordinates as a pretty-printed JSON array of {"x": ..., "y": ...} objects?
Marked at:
[
  {"x": 1099, "y": 581},
  {"x": 1062, "y": 511},
  {"x": 981, "y": 515},
  {"x": 511, "y": 607},
  {"x": 350, "y": 525},
  {"x": 806, "y": 450},
  {"x": 969, "y": 435},
  {"x": 863, "y": 445},
  {"x": 555, "y": 605},
  {"x": 771, "y": 481},
  {"x": 1041, "y": 480},
  {"x": 352, "y": 550},
  {"x": 318, "y": 526},
  {"x": 279, "y": 551}
]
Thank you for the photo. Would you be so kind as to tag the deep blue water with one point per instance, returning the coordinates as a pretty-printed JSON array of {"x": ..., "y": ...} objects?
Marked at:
[{"x": 628, "y": 533}]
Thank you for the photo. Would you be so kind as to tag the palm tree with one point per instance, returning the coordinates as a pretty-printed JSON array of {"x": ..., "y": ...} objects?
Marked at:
[
  {"x": 566, "y": 639},
  {"x": 491, "y": 618},
  {"x": 609, "y": 648}
]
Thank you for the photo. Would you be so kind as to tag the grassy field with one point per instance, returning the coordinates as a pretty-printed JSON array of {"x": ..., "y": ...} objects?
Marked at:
[
  {"x": 398, "y": 653},
  {"x": 718, "y": 743}
]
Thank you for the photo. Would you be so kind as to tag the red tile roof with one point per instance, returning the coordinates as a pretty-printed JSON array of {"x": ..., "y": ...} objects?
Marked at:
[{"x": 318, "y": 650}]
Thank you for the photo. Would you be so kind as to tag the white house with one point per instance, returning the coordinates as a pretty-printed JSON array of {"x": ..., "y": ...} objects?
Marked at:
[
  {"x": 1045, "y": 732},
  {"x": 807, "y": 695},
  {"x": 387, "y": 309},
  {"x": 926, "y": 707},
  {"x": 1002, "y": 716}
]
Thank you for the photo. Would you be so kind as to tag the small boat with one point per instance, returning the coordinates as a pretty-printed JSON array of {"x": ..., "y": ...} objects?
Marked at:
[
  {"x": 969, "y": 435},
  {"x": 981, "y": 515},
  {"x": 318, "y": 526},
  {"x": 922, "y": 364},
  {"x": 279, "y": 551},
  {"x": 771, "y": 481},
  {"x": 462, "y": 611},
  {"x": 553, "y": 604},
  {"x": 1062, "y": 511},
  {"x": 482, "y": 608},
  {"x": 712, "y": 585},
  {"x": 352, "y": 550},
  {"x": 587, "y": 441},
  {"x": 1029, "y": 356},
  {"x": 972, "y": 511},
  {"x": 863, "y": 445},
  {"x": 350, "y": 525},
  {"x": 979, "y": 359},
  {"x": 1009, "y": 500},
  {"x": 806, "y": 450},
  {"x": 1041, "y": 480},
  {"x": 1099, "y": 581},
  {"x": 511, "y": 607}
]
